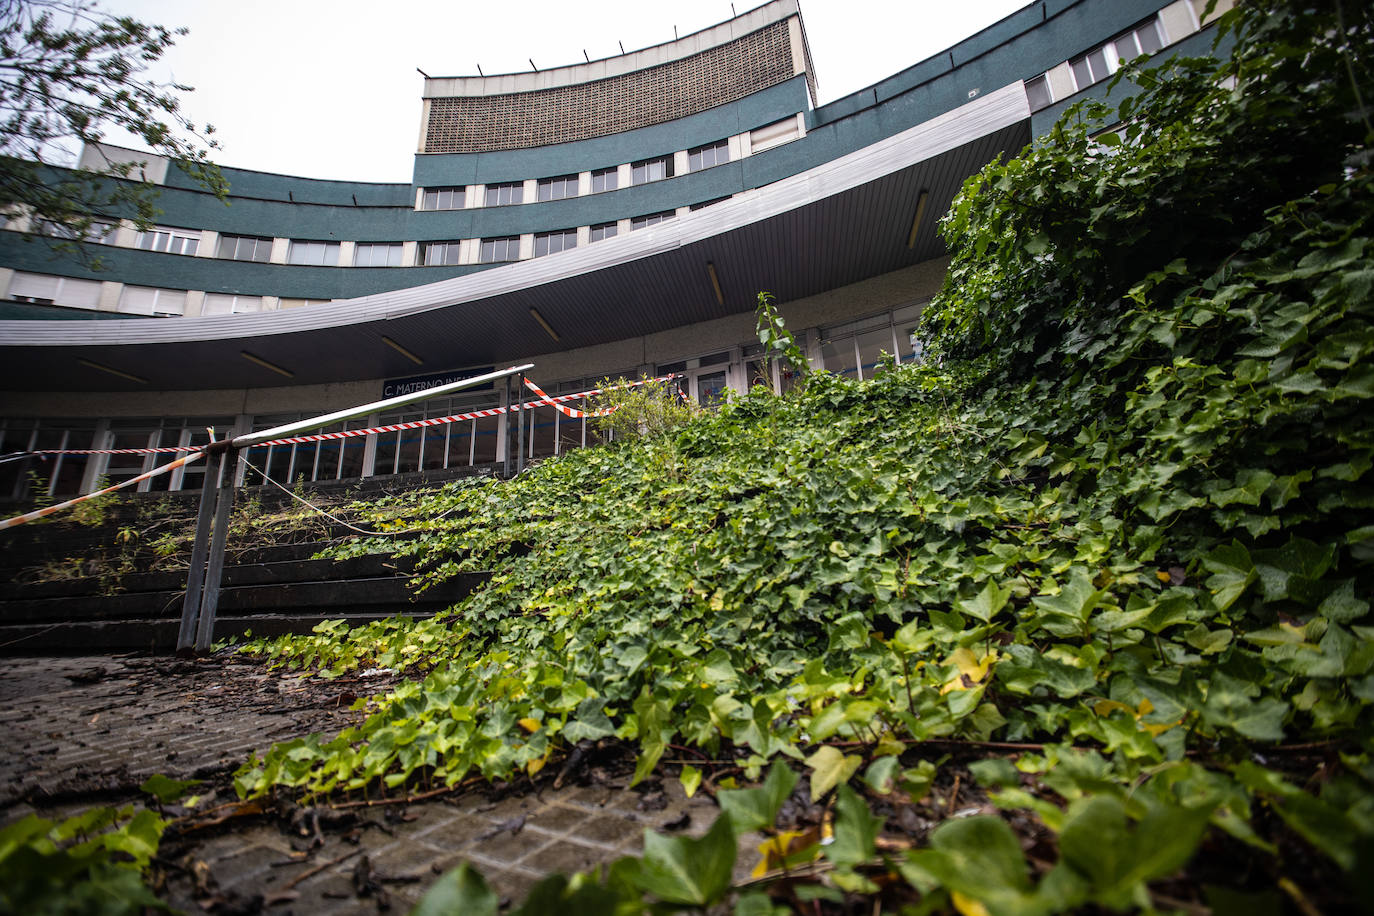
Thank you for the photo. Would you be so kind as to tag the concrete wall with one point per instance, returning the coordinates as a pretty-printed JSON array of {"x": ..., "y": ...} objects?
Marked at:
[{"x": 914, "y": 283}]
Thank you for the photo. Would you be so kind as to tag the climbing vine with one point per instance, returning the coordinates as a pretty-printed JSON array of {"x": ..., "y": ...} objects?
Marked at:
[{"x": 1120, "y": 530}]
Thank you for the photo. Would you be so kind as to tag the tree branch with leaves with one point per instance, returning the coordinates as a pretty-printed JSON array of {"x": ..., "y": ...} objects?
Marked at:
[{"x": 70, "y": 72}]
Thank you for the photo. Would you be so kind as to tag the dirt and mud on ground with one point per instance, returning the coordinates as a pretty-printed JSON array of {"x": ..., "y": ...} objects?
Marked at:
[{"x": 84, "y": 732}]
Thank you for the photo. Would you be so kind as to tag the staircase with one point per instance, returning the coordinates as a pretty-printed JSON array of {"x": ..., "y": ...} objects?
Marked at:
[{"x": 118, "y": 585}]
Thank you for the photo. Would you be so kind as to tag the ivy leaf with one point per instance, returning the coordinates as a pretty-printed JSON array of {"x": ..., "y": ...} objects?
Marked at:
[
  {"x": 461, "y": 890},
  {"x": 757, "y": 808},
  {"x": 1232, "y": 572},
  {"x": 1098, "y": 842},
  {"x": 165, "y": 789},
  {"x": 987, "y": 602},
  {"x": 829, "y": 768},
  {"x": 690, "y": 779},
  {"x": 855, "y": 830},
  {"x": 681, "y": 870},
  {"x": 1231, "y": 704}
]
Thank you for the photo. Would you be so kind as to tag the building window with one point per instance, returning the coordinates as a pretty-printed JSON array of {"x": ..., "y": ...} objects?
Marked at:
[
  {"x": 502, "y": 249},
  {"x": 500, "y": 195},
  {"x": 652, "y": 219},
  {"x": 558, "y": 188},
  {"x": 605, "y": 179},
  {"x": 42, "y": 289},
  {"x": 433, "y": 254},
  {"x": 709, "y": 203},
  {"x": 245, "y": 248},
  {"x": 554, "y": 242},
  {"x": 145, "y": 300},
  {"x": 1100, "y": 63},
  {"x": 604, "y": 231},
  {"x": 313, "y": 254},
  {"x": 97, "y": 233},
  {"x": 651, "y": 170},
  {"x": 703, "y": 157},
  {"x": 442, "y": 198},
  {"x": 771, "y": 135},
  {"x": 172, "y": 241},
  {"x": 225, "y": 304},
  {"x": 377, "y": 254},
  {"x": 301, "y": 303},
  {"x": 1038, "y": 93}
]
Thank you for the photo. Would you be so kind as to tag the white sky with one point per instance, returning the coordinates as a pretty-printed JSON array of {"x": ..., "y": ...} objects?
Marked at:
[{"x": 330, "y": 90}]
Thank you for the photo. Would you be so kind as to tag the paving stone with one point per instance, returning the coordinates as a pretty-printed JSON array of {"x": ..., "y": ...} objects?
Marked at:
[{"x": 155, "y": 715}]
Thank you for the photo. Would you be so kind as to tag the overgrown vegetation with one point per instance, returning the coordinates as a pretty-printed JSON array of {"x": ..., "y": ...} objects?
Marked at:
[{"x": 1111, "y": 548}]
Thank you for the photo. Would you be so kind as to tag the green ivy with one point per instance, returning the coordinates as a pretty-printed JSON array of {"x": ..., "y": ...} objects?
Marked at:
[{"x": 1124, "y": 515}]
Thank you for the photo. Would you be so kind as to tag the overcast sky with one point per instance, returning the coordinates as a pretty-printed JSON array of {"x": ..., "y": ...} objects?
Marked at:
[{"x": 330, "y": 89}]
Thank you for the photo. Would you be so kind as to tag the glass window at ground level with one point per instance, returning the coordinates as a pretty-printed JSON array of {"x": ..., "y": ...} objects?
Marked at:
[{"x": 502, "y": 249}]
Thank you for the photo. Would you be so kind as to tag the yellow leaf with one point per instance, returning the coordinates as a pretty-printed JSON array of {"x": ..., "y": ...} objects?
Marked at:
[
  {"x": 972, "y": 670},
  {"x": 1105, "y": 708},
  {"x": 537, "y": 764},
  {"x": 788, "y": 848},
  {"x": 967, "y": 905},
  {"x": 1162, "y": 576},
  {"x": 530, "y": 725}
]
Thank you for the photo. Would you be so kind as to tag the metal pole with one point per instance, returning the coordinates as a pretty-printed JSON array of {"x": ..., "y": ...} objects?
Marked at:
[
  {"x": 505, "y": 438},
  {"x": 205, "y": 631},
  {"x": 195, "y": 581},
  {"x": 520, "y": 418}
]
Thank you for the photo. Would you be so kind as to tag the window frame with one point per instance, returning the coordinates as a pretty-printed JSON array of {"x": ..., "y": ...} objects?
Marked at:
[
  {"x": 507, "y": 194},
  {"x": 609, "y": 179},
  {"x": 441, "y": 192},
  {"x": 608, "y": 231},
  {"x": 651, "y": 219},
  {"x": 505, "y": 243},
  {"x": 641, "y": 172},
  {"x": 397, "y": 247},
  {"x": 260, "y": 243},
  {"x": 567, "y": 240},
  {"x": 558, "y": 187},
  {"x": 176, "y": 242},
  {"x": 449, "y": 245},
  {"x": 697, "y": 157},
  {"x": 300, "y": 253}
]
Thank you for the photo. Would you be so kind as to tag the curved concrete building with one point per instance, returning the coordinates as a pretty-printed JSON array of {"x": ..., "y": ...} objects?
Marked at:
[{"x": 615, "y": 217}]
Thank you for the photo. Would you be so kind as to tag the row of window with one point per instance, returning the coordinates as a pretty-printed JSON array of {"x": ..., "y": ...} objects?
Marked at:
[
  {"x": 1101, "y": 62},
  {"x": 507, "y": 248},
  {"x": 559, "y": 187}
]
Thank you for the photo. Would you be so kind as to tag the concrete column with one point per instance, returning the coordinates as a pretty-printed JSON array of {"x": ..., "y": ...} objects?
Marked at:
[{"x": 279, "y": 249}]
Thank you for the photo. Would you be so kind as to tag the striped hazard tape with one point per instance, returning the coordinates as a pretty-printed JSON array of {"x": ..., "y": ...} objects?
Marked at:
[
  {"x": 50, "y": 510},
  {"x": 544, "y": 400}
]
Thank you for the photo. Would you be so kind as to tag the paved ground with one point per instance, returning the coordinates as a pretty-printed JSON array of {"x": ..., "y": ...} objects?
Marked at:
[{"x": 86, "y": 731}]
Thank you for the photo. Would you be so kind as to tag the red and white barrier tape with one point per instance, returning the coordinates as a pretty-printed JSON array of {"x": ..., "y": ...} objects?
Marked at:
[
  {"x": 545, "y": 400},
  {"x": 49, "y": 510}
]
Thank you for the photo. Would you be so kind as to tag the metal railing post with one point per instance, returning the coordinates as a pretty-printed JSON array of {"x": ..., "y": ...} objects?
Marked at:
[
  {"x": 214, "y": 571},
  {"x": 195, "y": 580},
  {"x": 520, "y": 418}
]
